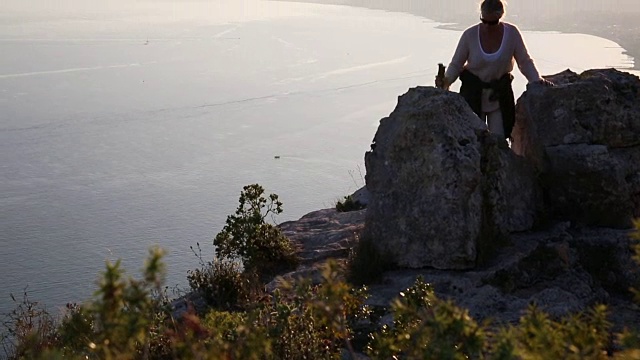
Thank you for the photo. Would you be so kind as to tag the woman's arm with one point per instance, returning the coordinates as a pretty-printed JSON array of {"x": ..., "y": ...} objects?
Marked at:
[
  {"x": 457, "y": 62},
  {"x": 525, "y": 62}
]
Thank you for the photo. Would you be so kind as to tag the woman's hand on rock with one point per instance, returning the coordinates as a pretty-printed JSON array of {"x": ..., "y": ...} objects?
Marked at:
[
  {"x": 546, "y": 82},
  {"x": 440, "y": 83}
]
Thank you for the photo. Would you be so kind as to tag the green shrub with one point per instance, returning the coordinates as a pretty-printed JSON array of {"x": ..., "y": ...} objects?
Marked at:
[
  {"x": 130, "y": 319},
  {"x": 261, "y": 246},
  {"x": 127, "y": 315},
  {"x": 580, "y": 336},
  {"x": 308, "y": 321},
  {"x": 125, "y": 320},
  {"x": 629, "y": 339},
  {"x": 221, "y": 283},
  {"x": 29, "y": 329},
  {"x": 425, "y": 327},
  {"x": 224, "y": 325},
  {"x": 349, "y": 204}
]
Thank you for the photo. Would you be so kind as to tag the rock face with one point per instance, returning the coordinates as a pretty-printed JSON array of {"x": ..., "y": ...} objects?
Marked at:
[
  {"x": 440, "y": 185},
  {"x": 555, "y": 269},
  {"x": 424, "y": 178},
  {"x": 583, "y": 136},
  {"x": 319, "y": 236},
  {"x": 324, "y": 233},
  {"x": 563, "y": 269},
  {"x": 439, "y": 189}
]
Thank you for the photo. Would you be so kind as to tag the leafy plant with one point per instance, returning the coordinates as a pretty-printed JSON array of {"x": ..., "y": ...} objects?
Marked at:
[
  {"x": 126, "y": 316},
  {"x": 29, "y": 329},
  {"x": 426, "y": 327},
  {"x": 349, "y": 204},
  {"x": 580, "y": 336},
  {"x": 309, "y": 321},
  {"x": 221, "y": 283},
  {"x": 131, "y": 319},
  {"x": 630, "y": 337},
  {"x": 261, "y": 246}
]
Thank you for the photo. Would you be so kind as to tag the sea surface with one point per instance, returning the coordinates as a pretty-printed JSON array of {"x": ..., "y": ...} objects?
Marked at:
[{"x": 125, "y": 125}]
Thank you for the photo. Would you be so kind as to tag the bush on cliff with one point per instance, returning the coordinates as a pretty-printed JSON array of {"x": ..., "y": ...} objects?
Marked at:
[
  {"x": 261, "y": 246},
  {"x": 221, "y": 283},
  {"x": 127, "y": 320},
  {"x": 427, "y": 327},
  {"x": 349, "y": 204},
  {"x": 249, "y": 251},
  {"x": 131, "y": 319}
]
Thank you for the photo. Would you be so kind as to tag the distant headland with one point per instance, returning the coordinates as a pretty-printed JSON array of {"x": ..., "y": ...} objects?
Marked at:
[{"x": 616, "y": 20}]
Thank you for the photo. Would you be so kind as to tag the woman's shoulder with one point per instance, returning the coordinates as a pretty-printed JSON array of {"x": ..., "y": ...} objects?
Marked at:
[
  {"x": 473, "y": 29},
  {"x": 511, "y": 27}
]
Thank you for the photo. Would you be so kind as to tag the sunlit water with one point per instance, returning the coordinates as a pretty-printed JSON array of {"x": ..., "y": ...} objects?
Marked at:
[{"x": 122, "y": 127}]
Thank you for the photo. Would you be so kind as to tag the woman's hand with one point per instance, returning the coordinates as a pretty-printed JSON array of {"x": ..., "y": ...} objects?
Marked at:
[
  {"x": 546, "y": 82},
  {"x": 441, "y": 83}
]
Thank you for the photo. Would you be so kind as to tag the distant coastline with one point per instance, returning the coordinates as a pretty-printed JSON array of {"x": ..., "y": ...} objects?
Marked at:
[
  {"x": 620, "y": 25},
  {"x": 629, "y": 41},
  {"x": 622, "y": 29}
]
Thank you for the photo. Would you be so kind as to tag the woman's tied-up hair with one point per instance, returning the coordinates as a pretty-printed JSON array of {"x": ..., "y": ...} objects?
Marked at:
[{"x": 493, "y": 7}]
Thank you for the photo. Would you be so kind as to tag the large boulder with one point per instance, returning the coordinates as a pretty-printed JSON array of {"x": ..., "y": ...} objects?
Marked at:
[
  {"x": 441, "y": 187},
  {"x": 562, "y": 270},
  {"x": 583, "y": 135},
  {"x": 511, "y": 190}
]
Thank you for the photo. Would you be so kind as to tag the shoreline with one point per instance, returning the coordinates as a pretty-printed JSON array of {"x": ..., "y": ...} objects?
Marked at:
[
  {"x": 621, "y": 27},
  {"x": 629, "y": 43}
]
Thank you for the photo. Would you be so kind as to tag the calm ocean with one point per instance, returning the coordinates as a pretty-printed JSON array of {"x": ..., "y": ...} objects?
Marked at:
[{"x": 125, "y": 126}]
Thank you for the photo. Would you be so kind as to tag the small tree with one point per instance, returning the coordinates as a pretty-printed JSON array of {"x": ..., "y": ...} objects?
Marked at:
[
  {"x": 426, "y": 327},
  {"x": 261, "y": 246}
]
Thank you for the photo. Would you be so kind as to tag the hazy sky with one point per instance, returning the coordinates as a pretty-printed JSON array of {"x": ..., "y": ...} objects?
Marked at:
[{"x": 538, "y": 9}]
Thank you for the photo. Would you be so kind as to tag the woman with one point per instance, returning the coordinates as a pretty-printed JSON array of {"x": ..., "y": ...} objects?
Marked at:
[{"x": 484, "y": 60}]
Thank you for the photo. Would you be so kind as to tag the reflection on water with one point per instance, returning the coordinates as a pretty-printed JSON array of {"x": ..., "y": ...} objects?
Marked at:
[{"x": 124, "y": 129}]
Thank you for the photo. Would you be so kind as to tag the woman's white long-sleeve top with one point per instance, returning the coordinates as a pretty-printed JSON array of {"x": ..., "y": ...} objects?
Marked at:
[{"x": 470, "y": 55}]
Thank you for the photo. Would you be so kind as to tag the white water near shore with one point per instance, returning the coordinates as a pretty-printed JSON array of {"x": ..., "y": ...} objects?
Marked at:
[{"x": 123, "y": 127}]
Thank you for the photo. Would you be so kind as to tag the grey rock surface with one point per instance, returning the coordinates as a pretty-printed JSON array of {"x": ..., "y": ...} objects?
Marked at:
[
  {"x": 319, "y": 236},
  {"x": 424, "y": 178},
  {"x": 441, "y": 187},
  {"x": 324, "y": 233},
  {"x": 521, "y": 193},
  {"x": 583, "y": 136},
  {"x": 562, "y": 270},
  {"x": 362, "y": 196},
  {"x": 541, "y": 268}
]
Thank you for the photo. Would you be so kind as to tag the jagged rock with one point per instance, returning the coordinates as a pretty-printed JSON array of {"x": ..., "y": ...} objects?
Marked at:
[
  {"x": 596, "y": 107},
  {"x": 511, "y": 189},
  {"x": 319, "y": 236},
  {"x": 324, "y": 233},
  {"x": 580, "y": 135},
  {"x": 424, "y": 177},
  {"x": 548, "y": 268},
  {"x": 585, "y": 183},
  {"x": 362, "y": 196},
  {"x": 563, "y": 269},
  {"x": 441, "y": 187},
  {"x": 607, "y": 256}
]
